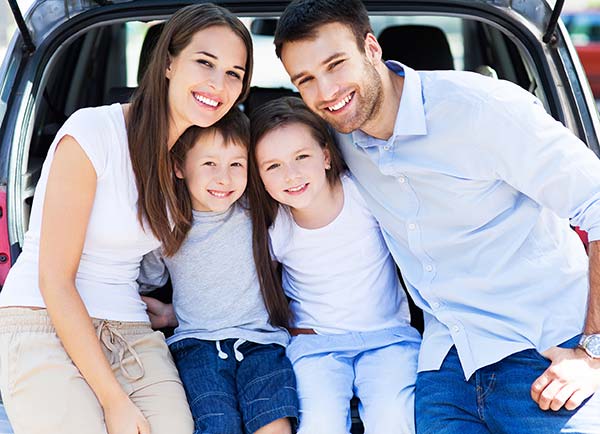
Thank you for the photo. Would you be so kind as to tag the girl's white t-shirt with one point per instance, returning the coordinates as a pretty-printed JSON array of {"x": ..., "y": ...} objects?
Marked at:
[
  {"x": 115, "y": 242},
  {"x": 340, "y": 277}
]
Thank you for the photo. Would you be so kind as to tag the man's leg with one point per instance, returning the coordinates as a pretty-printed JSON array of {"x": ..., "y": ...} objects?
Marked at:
[
  {"x": 447, "y": 404},
  {"x": 510, "y": 409},
  {"x": 385, "y": 385}
]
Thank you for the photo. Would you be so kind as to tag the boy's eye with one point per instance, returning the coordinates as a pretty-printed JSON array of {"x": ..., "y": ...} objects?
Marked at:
[
  {"x": 209, "y": 163},
  {"x": 237, "y": 164},
  {"x": 302, "y": 156}
]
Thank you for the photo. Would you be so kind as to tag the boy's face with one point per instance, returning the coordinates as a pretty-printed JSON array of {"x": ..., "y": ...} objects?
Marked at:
[
  {"x": 336, "y": 79},
  {"x": 215, "y": 172}
]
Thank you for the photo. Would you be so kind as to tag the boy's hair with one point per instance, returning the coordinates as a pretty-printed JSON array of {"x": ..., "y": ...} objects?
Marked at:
[
  {"x": 263, "y": 208},
  {"x": 234, "y": 127},
  {"x": 302, "y": 18}
]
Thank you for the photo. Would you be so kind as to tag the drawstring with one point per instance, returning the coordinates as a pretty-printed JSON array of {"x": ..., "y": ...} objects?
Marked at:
[
  {"x": 222, "y": 354},
  {"x": 111, "y": 341},
  {"x": 238, "y": 354}
]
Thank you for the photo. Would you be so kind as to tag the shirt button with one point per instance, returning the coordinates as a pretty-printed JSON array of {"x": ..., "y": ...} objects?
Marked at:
[
  {"x": 436, "y": 305},
  {"x": 428, "y": 268},
  {"x": 387, "y": 147},
  {"x": 412, "y": 226},
  {"x": 456, "y": 328},
  {"x": 402, "y": 180}
]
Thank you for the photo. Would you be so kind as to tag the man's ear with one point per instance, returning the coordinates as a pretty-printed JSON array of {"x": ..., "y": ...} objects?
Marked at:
[{"x": 373, "y": 50}]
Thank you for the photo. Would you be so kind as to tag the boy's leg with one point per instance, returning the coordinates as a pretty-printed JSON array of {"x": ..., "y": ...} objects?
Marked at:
[
  {"x": 385, "y": 384},
  {"x": 266, "y": 389},
  {"x": 447, "y": 404},
  {"x": 324, "y": 381},
  {"x": 209, "y": 383},
  {"x": 509, "y": 406}
]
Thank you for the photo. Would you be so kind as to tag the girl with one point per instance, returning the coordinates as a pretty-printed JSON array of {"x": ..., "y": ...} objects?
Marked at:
[
  {"x": 76, "y": 348},
  {"x": 230, "y": 358},
  {"x": 351, "y": 330}
]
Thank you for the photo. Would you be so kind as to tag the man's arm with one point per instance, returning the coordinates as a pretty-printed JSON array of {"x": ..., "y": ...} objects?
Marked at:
[{"x": 573, "y": 375}]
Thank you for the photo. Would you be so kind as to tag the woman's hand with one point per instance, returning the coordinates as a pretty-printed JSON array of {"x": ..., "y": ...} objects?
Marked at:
[
  {"x": 161, "y": 314},
  {"x": 123, "y": 417}
]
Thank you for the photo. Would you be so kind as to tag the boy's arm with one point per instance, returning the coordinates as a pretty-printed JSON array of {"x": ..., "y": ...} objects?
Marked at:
[{"x": 161, "y": 314}]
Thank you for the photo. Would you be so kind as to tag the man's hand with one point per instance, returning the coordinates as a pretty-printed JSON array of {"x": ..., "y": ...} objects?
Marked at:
[
  {"x": 572, "y": 377},
  {"x": 161, "y": 314}
]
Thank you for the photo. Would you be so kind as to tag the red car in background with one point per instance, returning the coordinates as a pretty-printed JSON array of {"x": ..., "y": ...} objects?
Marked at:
[{"x": 584, "y": 28}]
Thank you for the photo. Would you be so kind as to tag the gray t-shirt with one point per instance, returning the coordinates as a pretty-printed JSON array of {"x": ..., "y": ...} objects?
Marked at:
[{"x": 216, "y": 294}]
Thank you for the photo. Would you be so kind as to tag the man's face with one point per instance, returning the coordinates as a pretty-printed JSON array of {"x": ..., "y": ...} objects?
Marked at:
[{"x": 337, "y": 79}]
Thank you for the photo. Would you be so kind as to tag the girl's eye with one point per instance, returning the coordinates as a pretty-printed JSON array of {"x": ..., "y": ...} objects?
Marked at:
[
  {"x": 273, "y": 166},
  {"x": 237, "y": 165},
  {"x": 302, "y": 156}
]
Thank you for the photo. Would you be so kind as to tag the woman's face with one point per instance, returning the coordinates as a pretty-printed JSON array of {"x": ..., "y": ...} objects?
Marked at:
[{"x": 206, "y": 77}]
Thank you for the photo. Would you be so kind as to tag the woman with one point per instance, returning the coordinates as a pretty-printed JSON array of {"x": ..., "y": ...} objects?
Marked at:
[{"x": 77, "y": 353}]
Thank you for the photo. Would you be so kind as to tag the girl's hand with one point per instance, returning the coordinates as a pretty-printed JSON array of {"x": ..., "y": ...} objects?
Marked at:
[
  {"x": 123, "y": 417},
  {"x": 161, "y": 314}
]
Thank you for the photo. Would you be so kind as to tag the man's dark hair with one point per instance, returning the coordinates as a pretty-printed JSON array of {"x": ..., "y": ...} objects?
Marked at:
[{"x": 302, "y": 18}]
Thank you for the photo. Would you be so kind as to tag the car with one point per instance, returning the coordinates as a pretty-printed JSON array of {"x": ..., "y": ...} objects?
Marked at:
[
  {"x": 584, "y": 28},
  {"x": 69, "y": 55}
]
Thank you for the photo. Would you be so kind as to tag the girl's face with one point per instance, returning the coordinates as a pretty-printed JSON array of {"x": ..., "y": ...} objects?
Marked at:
[
  {"x": 292, "y": 167},
  {"x": 215, "y": 172},
  {"x": 206, "y": 78}
]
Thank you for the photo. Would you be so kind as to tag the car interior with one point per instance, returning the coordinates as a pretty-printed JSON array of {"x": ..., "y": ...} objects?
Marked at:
[{"x": 103, "y": 63}]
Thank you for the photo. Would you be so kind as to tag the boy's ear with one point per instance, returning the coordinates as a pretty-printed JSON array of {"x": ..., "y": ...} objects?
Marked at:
[
  {"x": 327, "y": 159},
  {"x": 178, "y": 171}
]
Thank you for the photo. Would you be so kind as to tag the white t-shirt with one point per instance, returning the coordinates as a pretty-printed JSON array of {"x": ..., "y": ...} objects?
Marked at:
[
  {"x": 340, "y": 277},
  {"x": 115, "y": 241}
]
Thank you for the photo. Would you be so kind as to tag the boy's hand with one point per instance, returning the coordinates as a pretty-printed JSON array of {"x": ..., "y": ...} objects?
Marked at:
[{"x": 161, "y": 314}]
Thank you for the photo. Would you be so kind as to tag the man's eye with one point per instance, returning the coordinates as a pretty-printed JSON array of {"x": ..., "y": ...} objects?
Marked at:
[
  {"x": 334, "y": 64},
  {"x": 304, "y": 81}
]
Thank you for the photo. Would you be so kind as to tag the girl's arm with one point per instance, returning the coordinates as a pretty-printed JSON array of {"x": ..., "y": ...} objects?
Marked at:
[{"x": 67, "y": 206}]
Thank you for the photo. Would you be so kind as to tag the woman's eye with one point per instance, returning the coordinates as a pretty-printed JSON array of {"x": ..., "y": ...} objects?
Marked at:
[
  {"x": 234, "y": 75},
  {"x": 302, "y": 156},
  {"x": 273, "y": 166},
  {"x": 204, "y": 62}
]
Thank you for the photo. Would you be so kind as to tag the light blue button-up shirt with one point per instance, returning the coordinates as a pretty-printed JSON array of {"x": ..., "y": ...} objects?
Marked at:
[{"x": 474, "y": 192}]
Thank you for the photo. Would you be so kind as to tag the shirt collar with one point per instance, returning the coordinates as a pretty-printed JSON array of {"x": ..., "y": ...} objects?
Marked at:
[{"x": 410, "y": 119}]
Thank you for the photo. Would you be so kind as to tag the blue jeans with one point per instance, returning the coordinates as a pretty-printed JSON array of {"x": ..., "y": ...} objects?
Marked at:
[
  {"x": 229, "y": 394},
  {"x": 496, "y": 399}
]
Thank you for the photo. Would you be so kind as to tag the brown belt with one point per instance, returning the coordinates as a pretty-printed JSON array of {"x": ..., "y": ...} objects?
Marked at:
[{"x": 296, "y": 332}]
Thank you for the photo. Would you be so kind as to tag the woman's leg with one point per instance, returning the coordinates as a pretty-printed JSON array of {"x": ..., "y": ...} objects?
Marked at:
[{"x": 42, "y": 390}]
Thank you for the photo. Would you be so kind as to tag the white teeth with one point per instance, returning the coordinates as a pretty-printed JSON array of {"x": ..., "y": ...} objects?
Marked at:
[
  {"x": 340, "y": 104},
  {"x": 205, "y": 100},
  {"x": 295, "y": 189},
  {"x": 218, "y": 193}
]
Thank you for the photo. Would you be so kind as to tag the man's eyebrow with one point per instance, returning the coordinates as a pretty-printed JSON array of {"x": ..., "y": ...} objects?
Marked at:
[
  {"x": 324, "y": 62},
  {"x": 208, "y": 54}
]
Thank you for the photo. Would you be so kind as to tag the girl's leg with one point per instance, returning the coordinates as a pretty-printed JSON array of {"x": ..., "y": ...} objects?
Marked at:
[
  {"x": 385, "y": 385},
  {"x": 42, "y": 390},
  {"x": 279, "y": 426},
  {"x": 324, "y": 390}
]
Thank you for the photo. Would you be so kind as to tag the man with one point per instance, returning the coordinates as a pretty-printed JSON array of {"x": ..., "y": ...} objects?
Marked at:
[{"x": 472, "y": 183}]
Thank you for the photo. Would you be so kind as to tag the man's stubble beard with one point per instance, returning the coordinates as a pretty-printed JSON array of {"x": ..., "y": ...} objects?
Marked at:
[{"x": 367, "y": 105}]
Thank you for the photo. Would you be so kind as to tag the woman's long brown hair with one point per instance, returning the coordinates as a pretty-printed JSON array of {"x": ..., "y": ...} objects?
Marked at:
[
  {"x": 161, "y": 205},
  {"x": 263, "y": 208}
]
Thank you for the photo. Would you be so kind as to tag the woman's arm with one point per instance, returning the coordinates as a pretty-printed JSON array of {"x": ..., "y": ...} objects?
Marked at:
[{"x": 67, "y": 206}]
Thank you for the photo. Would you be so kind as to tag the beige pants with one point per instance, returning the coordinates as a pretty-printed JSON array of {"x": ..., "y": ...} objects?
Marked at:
[{"x": 43, "y": 391}]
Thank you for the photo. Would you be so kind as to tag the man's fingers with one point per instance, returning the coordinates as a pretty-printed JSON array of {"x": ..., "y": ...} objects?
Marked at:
[
  {"x": 539, "y": 385},
  {"x": 562, "y": 396},
  {"x": 549, "y": 393},
  {"x": 577, "y": 398}
]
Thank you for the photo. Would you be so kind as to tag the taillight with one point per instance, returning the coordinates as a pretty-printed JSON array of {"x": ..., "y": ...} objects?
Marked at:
[{"x": 4, "y": 242}]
